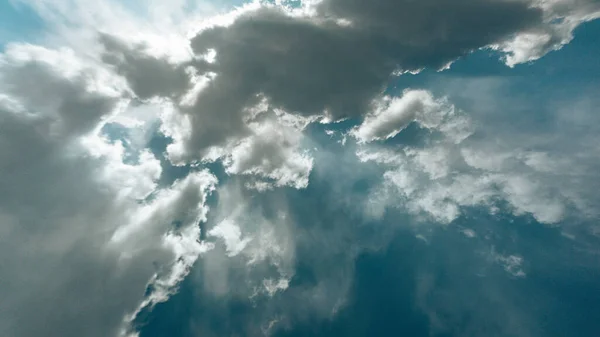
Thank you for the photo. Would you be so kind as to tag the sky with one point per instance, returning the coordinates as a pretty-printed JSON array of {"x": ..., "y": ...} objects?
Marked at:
[{"x": 321, "y": 168}]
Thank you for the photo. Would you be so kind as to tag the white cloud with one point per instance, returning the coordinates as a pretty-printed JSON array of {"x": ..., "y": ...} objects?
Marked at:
[
  {"x": 231, "y": 235},
  {"x": 256, "y": 247},
  {"x": 527, "y": 196},
  {"x": 483, "y": 160},
  {"x": 469, "y": 233},
  {"x": 441, "y": 197},
  {"x": 561, "y": 18},
  {"x": 273, "y": 287},
  {"x": 392, "y": 115},
  {"x": 442, "y": 177},
  {"x": 272, "y": 152},
  {"x": 164, "y": 28}
]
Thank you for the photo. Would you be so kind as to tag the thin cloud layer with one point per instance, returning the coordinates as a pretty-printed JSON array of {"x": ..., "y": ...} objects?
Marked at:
[{"x": 465, "y": 164}]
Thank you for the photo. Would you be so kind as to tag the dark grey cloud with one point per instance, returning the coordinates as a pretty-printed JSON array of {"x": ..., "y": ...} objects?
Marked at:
[
  {"x": 332, "y": 63},
  {"x": 301, "y": 66},
  {"x": 431, "y": 33},
  {"x": 317, "y": 66},
  {"x": 147, "y": 75},
  {"x": 70, "y": 109}
]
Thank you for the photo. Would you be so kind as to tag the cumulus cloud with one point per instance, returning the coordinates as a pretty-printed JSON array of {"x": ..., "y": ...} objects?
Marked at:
[
  {"x": 313, "y": 66},
  {"x": 329, "y": 60},
  {"x": 392, "y": 115},
  {"x": 81, "y": 240},
  {"x": 273, "y": 152}
]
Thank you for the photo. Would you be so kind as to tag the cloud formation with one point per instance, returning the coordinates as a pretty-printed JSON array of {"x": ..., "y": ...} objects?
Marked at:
[
  {"x": 469, "y": 162},
  {"x": 335, "y": 60},
  {"x": 393, "y": 115},
  {"x": 317, "y": 66},
  {"x": 81, "y": 240},
  {"x": 89, "y": 237}
]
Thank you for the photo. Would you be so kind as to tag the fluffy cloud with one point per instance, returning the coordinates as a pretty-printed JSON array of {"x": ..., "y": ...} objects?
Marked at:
[
  {"x": 273, "y": 152},
  {"x": 82, "y": 235},
  {"x": 427, "y": 182},
  {"x": 392, "y": 115},
  {"x": 329, "y": 60},
  {"x": 147, "y": 75},
  {"x": 231, "y": 235},
  {"x": 561, "y": 17},
  {"x": 333, "y": 61},
  {"x": 316, "y": 67}
]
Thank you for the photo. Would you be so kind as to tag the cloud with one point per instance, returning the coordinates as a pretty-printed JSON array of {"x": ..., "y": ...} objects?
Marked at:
[
  {"x": 148, "y": 76},
  {"x": 315, "y": 67},
  {"x": 561, "y": 17},
  {"x": 553, "y": 155},
  {"x": 259, "y": 244},
  {"x": 291, "y": 256},
  {"x": 334, "y": 60},
  {"x": 511, "y": 264},
  {"x": 433, "y": 33},
  {"x": 393, "y": 115},
  {"x": 230, "y": 233},
  {"x": 439, "y": 189},
  {"x": 273, "y": 152},
  {"x": 329, "y": 60},
  {"x": 86, "y": 228},
  {"x": 82, "y": 234},
  {"x": 59, "y": 87},
  {"x": 446, "y": 174}
]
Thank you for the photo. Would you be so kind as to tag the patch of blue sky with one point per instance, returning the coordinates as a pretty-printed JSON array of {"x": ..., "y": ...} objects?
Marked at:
[
  {"x": 118, "y": 133},
  {"x": 574, "y": 67},
  {"x": 170, "y": 173},
  {"x": 18, "y": 23}
]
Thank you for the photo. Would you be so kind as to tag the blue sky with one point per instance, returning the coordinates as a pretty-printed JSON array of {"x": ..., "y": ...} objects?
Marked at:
[
  {"x": 323, "y": 173},
  {"x": 19, "y": 23}
]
